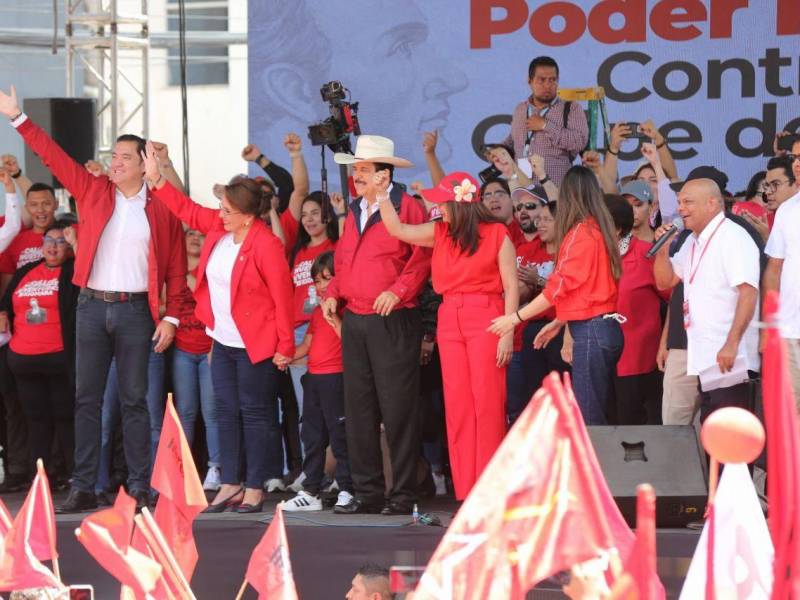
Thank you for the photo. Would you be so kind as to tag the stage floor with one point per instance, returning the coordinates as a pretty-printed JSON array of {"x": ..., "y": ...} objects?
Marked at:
[{"x": 326, "y": 550}]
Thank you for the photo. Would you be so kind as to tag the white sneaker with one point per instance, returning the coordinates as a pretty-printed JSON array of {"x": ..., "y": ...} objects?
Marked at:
[
  {"x": 441, "y": 484},
  {"x": 333, "y": 487},
  {"x": 297, "y": 485},
  {"x": 274, "y": 485},
  {"x": 212, "y": 482},
  {"x": 344, "y": 498},
  {"x": 302, "y": 502}
]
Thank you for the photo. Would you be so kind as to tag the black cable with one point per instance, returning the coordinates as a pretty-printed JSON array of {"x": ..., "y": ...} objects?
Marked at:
[{"x": 184, "y": 102}]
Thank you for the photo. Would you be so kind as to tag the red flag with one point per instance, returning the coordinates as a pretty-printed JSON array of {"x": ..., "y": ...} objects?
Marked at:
[
  {"x": 783, "y": 458},
  {"x": 270, "y": 570},
  {"x": 555, "y": 512},
  {"x": 181, "y": 492},
  {"x": 106, "y": 535},
  {"x": 5, "y": 519},
  {"x": 640, "y": 580},
  {"x": 20, "y": 567}
]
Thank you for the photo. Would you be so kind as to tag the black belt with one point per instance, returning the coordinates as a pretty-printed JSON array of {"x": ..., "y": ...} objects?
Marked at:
[{"x": 114, "y": 296}]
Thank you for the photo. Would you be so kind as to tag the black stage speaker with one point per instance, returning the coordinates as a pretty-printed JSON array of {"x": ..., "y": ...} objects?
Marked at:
[
  {"x": 666, "y": 456},
  {"x": 71, "y": 122}
]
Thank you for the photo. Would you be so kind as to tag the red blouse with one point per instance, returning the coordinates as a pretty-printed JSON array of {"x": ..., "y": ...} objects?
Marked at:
[{"x": 455, "y": 271}]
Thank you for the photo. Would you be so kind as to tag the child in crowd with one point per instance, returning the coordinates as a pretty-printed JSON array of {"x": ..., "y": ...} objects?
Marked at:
[{"x": 323, "y": 405}]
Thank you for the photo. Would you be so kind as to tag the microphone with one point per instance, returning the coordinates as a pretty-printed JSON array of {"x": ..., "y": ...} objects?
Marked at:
[{"x": 673, "y": 229}]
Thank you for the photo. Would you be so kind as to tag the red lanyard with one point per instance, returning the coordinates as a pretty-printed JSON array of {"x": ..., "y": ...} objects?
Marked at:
[{"x": 692, "y": 273}]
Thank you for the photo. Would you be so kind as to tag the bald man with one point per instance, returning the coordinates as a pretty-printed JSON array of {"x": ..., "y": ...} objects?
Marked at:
[{"x": 719, "y": 267}]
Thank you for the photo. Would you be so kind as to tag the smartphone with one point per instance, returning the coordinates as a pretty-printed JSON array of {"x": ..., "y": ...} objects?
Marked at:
[
  {"x": 490, "y": 172},
  {"x": 786, "y": 142},
  {"x": 635, "y": 131}
]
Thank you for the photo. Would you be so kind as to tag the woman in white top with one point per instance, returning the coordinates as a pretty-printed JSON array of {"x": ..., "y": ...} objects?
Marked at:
[
  {"x": 244, "y": 297},
  {"x": 13, "y": 222}
]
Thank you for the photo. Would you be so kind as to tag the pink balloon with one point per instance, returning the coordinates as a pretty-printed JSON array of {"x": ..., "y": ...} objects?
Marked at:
[{"x": 733, "y": 435}]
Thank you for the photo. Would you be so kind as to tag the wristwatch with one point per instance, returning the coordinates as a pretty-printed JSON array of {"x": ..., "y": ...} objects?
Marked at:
[{"x": 429, "y": 338}]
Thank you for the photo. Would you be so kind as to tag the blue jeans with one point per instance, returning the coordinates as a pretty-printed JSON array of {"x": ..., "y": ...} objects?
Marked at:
[
  {"x": 246, "y": 397},
  {"x": 597, "y": 346},
  {"x": 111, "y": 413},
  {"x": 516, "y": 400},
  {"x": 105, "y": 330},
  {"x": 191, "y": 380}
]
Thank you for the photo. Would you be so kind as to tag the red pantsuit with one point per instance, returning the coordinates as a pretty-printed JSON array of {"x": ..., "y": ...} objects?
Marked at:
[{"x": 474, "y": 387}]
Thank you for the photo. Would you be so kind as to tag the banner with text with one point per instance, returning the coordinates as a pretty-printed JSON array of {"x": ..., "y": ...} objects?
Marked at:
[{"x": 719, "y": 77}]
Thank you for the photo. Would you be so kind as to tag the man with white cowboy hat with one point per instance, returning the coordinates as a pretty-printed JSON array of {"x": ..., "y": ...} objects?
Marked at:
[{"x": 378, "y": 278}]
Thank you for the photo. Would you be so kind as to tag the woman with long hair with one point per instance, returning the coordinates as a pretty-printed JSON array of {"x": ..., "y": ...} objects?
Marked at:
[
  {"x": 244, "y": 298},
  {"x": 474, "y": 268},
  {"x": 583, "y": 289}
]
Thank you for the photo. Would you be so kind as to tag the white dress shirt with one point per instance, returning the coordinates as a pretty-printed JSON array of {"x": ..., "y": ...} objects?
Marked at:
[
  {"x": 13, "y": 222},
  {"x": 120, "y": 263},
  {"x": 729, "y": 259},
  {"x": 784, "y": 243},
  {"x": 368, "y": 210},
  {"x": 218, "y": 273}
]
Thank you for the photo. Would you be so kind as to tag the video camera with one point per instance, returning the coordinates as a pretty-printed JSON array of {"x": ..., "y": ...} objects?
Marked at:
[{"x": 335, "y": 131}]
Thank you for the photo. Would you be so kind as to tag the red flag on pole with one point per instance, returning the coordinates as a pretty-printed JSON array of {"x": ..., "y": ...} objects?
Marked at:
[
  {"x": 21, "y": 565},
  {"x": 783, "y": 458},
  {"x": 270, "y": 570},
  {"x": 181, "y": 495},
  {"x": 555, "y": 509},
  {"x": 106, "y": 535}
]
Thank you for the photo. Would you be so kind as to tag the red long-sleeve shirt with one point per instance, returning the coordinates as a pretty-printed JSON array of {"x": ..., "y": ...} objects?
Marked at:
[
  {"x": 371, "y": 262},
  {"x": 582, "y": 285}
]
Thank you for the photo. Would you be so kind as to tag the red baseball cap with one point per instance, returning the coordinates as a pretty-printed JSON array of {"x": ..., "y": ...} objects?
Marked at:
[{"x": 454, "y": 187}]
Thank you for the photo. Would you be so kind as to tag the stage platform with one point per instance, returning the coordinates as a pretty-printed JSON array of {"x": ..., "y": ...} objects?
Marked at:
[{"x": 326, "y": 550}]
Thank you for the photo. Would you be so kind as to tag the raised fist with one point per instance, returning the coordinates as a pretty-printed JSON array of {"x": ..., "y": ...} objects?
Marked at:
[
  {"x": 251, "y": 153},
  {"x": 293, "y": 143}
]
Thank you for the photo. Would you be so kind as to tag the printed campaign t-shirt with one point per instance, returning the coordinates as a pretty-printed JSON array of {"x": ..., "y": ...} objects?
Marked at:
[
  {"x": 301, "y": 278},
  {"x": 24, "y": 249},
  {"x": 37, "y": 322}
]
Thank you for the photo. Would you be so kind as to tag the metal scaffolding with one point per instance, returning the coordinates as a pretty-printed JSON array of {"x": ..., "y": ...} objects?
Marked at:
[{"x": 95, "y": 34}]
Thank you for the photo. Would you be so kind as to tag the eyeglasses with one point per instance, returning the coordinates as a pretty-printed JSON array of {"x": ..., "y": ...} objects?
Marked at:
[
  {"x": 793, "y": 157},
  {"x": 228, "y": 212},
  {"x": 526, "y": 206},
  {"x": 771, "y": 186},
  {"x": 51, "y": 241},
  {"x": 496, "y": 194}
]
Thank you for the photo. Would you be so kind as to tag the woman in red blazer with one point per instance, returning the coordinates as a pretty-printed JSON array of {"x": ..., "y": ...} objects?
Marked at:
[{"x": 244, "y": 297}]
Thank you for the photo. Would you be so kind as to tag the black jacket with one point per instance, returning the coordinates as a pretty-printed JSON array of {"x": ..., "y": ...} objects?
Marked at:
[{"x": 67, "y": 303}]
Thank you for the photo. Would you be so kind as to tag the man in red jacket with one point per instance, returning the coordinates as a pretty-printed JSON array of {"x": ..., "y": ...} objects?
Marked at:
[
  {"x": 379, "y": 279},
  {"x": 130, "y": 248}
]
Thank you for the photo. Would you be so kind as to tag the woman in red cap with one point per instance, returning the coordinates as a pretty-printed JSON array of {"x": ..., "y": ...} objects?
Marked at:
[{"x": 474, "y": 268}]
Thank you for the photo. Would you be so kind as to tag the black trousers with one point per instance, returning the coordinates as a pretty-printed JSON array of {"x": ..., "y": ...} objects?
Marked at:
[
  {"x": 15, "y": 444},
  {"x": 741, "y": 395},
  {"x": 323, "y": 424},
  {"x": 638, "y": 399},
  {"x": 47, "y": 399},
  {"x": 290, "y": 423},
  {"x": 381, "y": 385}
]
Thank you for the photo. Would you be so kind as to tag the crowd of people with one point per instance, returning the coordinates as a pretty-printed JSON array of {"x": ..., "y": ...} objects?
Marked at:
[{"x": 379, "y": 349}]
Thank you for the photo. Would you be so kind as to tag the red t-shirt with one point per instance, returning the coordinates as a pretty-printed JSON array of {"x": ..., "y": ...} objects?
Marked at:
[
  {"x": 25, "y": 248},
  {"x": 535, "y": 254},
  {"x": 325, "y": 353},
  {"x": 191, "y": 335},
  {"x": 515, "y": 233},
  {"x": 37, "y": 331},
  {"x": 301, "y": 277},
  {"x": 291, "y": 227},
  {"x": 639, "y": 300},
  {"x": 455, "y": 271}
]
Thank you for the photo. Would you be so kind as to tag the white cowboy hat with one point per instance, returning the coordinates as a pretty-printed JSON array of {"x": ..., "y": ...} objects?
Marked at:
[{"x": 372, "y": 148}]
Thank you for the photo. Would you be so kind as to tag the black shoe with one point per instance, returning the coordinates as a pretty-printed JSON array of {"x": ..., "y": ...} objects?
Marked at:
[
  {"x": 103, "y": 499},
  {"x": 246, "y": 509},
  {"x": 142, "y": 498},
  {"x": 395, "y": 508},
  {"x": 229, "y": 501},
  {"x": 14, "y": 483},
  {"x": 357, "y": 507},
  {"x": 76, "y": 502}
]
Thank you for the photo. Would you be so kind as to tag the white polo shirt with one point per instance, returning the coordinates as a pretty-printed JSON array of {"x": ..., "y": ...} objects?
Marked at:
[
  {"x": 784, "y": 243},
  {"x": 730, "y": 258}
]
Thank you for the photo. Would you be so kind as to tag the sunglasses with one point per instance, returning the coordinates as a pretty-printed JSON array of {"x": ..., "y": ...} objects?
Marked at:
[{"x": 526, "y": 206}]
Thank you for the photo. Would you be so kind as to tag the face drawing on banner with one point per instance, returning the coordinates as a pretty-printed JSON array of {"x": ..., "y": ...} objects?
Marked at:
[{"x": 391, "y": 66}]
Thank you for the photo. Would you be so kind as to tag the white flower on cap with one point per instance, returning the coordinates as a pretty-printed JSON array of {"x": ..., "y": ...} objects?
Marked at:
[{"x": 464, "y": 191}]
